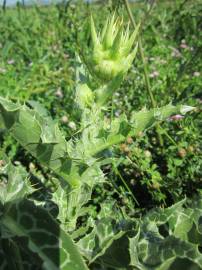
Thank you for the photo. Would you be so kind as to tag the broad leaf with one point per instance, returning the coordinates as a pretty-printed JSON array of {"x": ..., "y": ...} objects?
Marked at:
[{"x": 45, "y": 237}]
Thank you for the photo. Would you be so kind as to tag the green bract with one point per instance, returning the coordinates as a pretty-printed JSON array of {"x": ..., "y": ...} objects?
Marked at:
[
  {"x": 112, "y": 49},
  {"x": 84, "y": 95}
]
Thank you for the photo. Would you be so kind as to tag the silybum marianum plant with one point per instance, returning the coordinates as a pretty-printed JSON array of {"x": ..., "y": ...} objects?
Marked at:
[{"x": 77, "y": 162}]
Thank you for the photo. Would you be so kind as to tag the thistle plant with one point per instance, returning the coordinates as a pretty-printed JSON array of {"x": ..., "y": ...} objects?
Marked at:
[{"x": 78, "y": 161}]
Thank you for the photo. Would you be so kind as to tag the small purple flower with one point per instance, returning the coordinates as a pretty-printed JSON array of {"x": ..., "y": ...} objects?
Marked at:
[
  {"x": 72, "y": 125},
  {"x": 154, "y": 74},
  {"x": 176, "y": 117},
  {"x": 162, "y": 61},
  {"x": 2, "y": 162},
  {"x": 184, "y": 46},
  {"x": 2, "y": 70},
  {"x": 65, "y": 55},
  {"x": 176, "y": 53},
  {"x": 11, "y": 61},
  {"x": 117, "y": 113},
  {"x": 64, "y": 119},
  {"x": 59, "y": 93},
  {"x": 196, "y": 74},
  {"x": 200, "y": 101}
]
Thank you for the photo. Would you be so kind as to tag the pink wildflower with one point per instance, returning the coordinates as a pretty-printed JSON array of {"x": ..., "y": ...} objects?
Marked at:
[
  {"x": 59, "y": 93},
  {"x": 154, "y": 74},
  {"x": 176, "y": 53},
  {"x": 2, "y": 70},
  {"x": 176, "y": 117},
  {"x": 11, "y": 61},
  {"x": 196, "y": 74}
]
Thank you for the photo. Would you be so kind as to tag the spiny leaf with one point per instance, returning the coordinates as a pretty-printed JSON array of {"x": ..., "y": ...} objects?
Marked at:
[
  {"x": 120, "y": 128},
  {"x": 15, "y": 184},
  {"x": 38, "y": 135},
  {"x": 131, "y": 40},
  {"x": 55, "y": 247},
  {"x": 94, "y": 36},
  {"x": 108, "y": 37}
]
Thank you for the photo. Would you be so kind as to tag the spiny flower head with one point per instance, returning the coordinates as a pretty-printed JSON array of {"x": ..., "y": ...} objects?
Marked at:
[{"x": 112, "y": 49}]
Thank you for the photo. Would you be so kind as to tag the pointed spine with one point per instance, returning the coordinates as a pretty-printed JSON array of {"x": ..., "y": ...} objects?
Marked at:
[
  {"x": 108, "y": 37},
  {"x": 117, "y": 42},
  {"x": 94, "y": 36},
  {"x": 131, "y": 40},
  {"x": 132, "y": 55},
  {"x": 104, "y": 30},
  {"x": 126, "y": 36}
]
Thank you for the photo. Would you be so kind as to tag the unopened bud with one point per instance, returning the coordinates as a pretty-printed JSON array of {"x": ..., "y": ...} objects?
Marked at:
[
  {"x": 182, "y": 152},
  {"x": 124, "y": 148},
  {"x": 112, "y": 50},
  {"x": 129, "y": 140},
  {"x": 147, "y": 153},
  {"x": 190, "y": 149},
  {"x": 2, "y": 163},
  {"x": 64, "y": 119}
]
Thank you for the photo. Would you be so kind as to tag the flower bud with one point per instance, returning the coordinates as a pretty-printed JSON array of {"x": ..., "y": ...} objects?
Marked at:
[
  {"x": 112, "y": 50},
  {"x": 182, "y": 152},
  {"x": 147, "y": 154}
]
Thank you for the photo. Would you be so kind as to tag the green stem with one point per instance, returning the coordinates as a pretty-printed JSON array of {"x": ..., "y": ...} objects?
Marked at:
[
  {"x": 169, "y": 137},
  {"x": 125, "y": 184},
  {"x": 12, "y": 255},
  {"x": 17, "y": 255},
  {"x": 147, "y": 82},
  {"x": 106, "y": 91}
]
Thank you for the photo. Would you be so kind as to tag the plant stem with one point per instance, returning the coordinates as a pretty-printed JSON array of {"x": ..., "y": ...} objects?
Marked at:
[
  {"x": 12, "y": 255},
  {"x": 125, "y": 184},
  {"x": 17, "y": 255},
  {"x": 4, "y": 5},
  {"x": 141, "y": 55},
  {"x": 147, "y": 82}
]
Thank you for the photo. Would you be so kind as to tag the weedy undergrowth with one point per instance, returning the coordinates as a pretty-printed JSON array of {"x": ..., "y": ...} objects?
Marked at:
[{"x": 37, "y": 237}]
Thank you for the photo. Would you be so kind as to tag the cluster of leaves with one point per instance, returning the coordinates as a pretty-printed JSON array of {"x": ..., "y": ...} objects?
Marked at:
[
  {"x": 162, "y": 239},
  {"x": 27, "y": 228}
]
